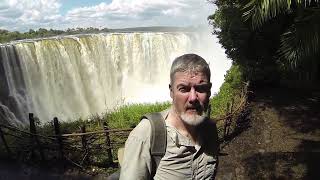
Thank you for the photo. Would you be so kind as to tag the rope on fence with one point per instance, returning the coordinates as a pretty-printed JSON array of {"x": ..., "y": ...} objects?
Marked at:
[
  {"x": 53, "y": 137},
  {"x": 95, "y": 132},
  {"x": 25, "y": 132}
]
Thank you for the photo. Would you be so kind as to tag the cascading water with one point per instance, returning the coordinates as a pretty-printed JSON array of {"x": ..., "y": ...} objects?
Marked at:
[{"x": 75, "y": 76}]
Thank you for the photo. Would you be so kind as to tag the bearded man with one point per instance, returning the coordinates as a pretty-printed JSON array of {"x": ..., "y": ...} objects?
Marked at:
[{"x": 192, "y": 145}]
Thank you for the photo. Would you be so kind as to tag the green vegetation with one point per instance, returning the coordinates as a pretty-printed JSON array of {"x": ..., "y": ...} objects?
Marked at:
[
  {"x": 273, "y": 42},
  {"x": 129, "y": 115},
  {"x": 300, "y": 38},
  {"x": 229, "y": 89},
  {"x": 7, "y": 36}
]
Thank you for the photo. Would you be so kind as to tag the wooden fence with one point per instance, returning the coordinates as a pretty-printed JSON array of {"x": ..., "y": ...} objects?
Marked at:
[
  {"x": 236, "y": 117},
  {"x": 79, "y": 148},
  {"x": 98, "y": 147}
]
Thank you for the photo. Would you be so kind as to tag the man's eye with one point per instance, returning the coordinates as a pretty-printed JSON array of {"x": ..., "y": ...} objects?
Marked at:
[
  {"x": 203, "y": 88},
  {"x": 184, "y": 89}
]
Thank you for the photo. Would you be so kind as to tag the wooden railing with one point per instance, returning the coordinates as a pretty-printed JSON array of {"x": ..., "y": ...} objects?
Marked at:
[
  {"x": 236, "y": 117},
  {"x": 77, "y": 148}
]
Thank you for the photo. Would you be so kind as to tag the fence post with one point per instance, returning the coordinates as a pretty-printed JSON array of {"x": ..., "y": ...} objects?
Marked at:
[
  {"x": 5, "y": 142},
  {"x": 227, "y": 122},
  {"x": 108, "y": 142},
  {"x": 58, "y": 135},
  {"x": 84, "y": 143},
  {"x": 33, "y": 131}
]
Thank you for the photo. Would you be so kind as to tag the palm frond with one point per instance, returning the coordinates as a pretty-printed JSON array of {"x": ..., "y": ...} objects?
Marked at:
[
  {"x": 260, "y": 11},
  {"x": 301, "y": 40}
]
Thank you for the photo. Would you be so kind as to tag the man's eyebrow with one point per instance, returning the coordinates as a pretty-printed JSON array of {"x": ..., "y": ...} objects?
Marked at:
[
  {"x": 204, "y": 84},
  {"x": 182, "y": 84},
  {"x": 200, "y": 84}
]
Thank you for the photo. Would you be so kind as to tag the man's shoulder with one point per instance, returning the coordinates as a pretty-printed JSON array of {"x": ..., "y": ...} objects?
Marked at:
[
  {"x": 209, "y": 125},
  {"x": 142, "y": 131},
  {"x": 211, "y": 121},
  {"x": 209, "y": 135}
]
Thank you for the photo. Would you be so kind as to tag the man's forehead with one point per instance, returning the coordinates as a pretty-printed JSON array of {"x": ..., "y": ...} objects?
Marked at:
[{"x": 191, "y": 75}]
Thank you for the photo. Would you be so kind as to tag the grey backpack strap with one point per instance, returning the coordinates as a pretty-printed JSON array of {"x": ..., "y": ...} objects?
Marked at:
[{"x": 158, "y": 138}]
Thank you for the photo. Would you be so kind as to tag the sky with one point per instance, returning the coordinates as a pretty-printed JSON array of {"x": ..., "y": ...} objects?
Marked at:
[{"x": 22, "y": 15}]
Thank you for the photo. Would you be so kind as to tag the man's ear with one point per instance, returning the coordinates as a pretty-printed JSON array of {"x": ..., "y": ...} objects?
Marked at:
[{"x": 170, "y": 88}]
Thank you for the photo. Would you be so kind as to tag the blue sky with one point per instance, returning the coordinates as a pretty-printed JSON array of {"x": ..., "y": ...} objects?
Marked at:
[{"x": 22, "y": 15}]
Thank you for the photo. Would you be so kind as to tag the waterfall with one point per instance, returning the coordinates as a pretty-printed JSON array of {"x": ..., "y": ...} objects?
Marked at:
[{"x": 75, "y": 76}]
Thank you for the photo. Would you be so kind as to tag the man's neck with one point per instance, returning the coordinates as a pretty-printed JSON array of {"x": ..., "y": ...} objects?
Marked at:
[{"x": 183, "y": 128}]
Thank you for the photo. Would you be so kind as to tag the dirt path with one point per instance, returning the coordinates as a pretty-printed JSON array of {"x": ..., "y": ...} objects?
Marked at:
[
  {"x": 10, "y": 170},
  {"x": 283, "y": 141}
]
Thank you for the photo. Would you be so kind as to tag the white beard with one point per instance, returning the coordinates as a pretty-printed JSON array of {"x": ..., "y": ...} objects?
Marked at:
[{"x": 193, "y": 120}]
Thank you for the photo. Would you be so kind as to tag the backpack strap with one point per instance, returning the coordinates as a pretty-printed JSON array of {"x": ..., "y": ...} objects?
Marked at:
[{"x": 158, "y": 139}]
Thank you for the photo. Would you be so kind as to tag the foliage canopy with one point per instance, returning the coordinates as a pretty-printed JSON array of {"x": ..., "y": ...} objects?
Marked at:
[{"x": 271, "y": 40}]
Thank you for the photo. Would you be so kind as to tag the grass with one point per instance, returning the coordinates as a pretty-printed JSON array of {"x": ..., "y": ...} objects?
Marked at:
[{"x": 129, "y": 115}]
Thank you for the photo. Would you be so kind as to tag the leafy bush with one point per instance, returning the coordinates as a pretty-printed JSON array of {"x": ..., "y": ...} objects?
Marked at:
[
  {"x": 129, "y": 115},
  {"x": 232, "y": 85}
]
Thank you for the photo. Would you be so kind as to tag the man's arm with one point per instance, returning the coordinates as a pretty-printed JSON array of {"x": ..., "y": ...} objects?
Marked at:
[{"x": 137, "y": 160}]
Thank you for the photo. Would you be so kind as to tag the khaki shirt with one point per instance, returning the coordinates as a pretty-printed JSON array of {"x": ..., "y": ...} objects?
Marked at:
[{"x": 182, "y": 160}]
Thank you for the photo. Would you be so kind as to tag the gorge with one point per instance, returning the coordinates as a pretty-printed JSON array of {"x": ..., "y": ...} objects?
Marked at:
[{"x": 75, "y": 76}]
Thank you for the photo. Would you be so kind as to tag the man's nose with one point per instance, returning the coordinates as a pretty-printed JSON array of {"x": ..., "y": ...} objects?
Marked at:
[{"x": 193, "y": 95}]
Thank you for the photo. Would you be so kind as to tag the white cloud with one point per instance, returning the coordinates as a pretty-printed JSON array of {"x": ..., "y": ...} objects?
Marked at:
[
  {"x": 26, "y": 14},
  {"x": 126, "y": 13}
]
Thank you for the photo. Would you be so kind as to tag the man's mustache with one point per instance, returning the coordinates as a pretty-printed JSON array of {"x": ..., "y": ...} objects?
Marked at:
[{"x": 197, "y": 107}]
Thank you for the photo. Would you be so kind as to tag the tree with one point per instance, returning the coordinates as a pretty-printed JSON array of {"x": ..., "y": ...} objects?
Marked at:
[
  {"x": 301, "y": 39},
  {"x": 270, "y": 40},
  {"x": 252, "y": 49}
]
